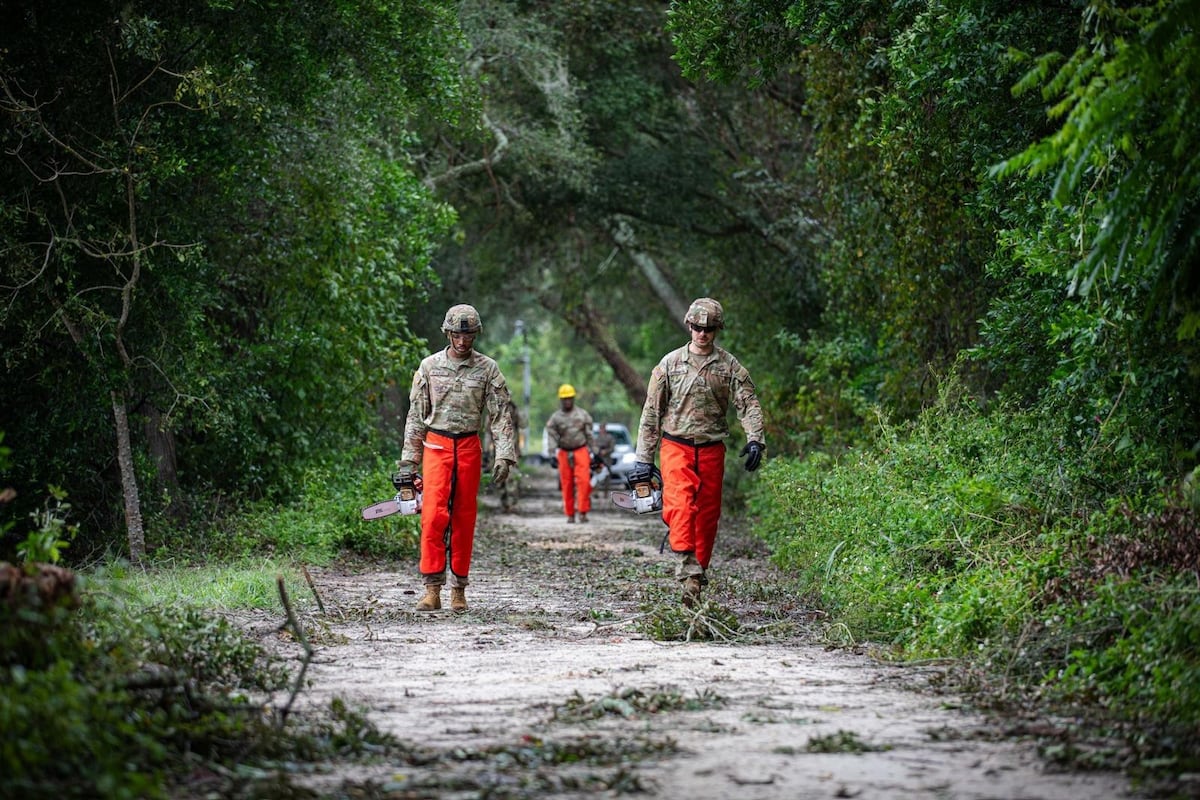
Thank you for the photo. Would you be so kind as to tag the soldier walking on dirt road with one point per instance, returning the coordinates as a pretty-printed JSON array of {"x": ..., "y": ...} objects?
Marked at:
[
  {"x": 570, "y": 436},
  {"x": 510, "y": 487},
  {"x": 450, "y": 392},
  {"x": 687, "y": 403}
]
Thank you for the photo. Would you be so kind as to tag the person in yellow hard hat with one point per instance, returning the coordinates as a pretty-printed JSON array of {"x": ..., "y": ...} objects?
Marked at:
[{"x": 569, "y": 434}]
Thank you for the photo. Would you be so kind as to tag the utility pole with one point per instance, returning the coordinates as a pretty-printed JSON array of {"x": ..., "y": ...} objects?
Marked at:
[{"x": 526, "y": 386}]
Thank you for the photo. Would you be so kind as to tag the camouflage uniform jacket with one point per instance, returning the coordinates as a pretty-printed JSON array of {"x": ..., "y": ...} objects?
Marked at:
[
  {"x": 570, "y": 430},
  {"x": 451, "y": 396},
  {"x": 605, "y": 443},
  {"x": 689, "y": 397}
]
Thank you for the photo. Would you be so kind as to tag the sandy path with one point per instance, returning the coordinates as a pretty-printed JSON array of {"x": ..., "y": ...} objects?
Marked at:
[{"x": 498, "y": 701}]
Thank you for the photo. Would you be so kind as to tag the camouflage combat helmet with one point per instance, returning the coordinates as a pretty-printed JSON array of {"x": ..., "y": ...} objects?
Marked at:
[
  {"x": 705, "y": 312},
  {"x": 462, "y": 318}
]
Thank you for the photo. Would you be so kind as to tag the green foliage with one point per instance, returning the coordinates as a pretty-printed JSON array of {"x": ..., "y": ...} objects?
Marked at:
[
  {"x": 1126, "y": 150},
  {"x": 986, "y": 537},
  {"x": 236, "y": 584},
  {"x": 726, "y": 40},
  {"x": 314, "y": 525},
  {"x": 908, "y": 106},
  {"x": 607, "y": 164},
  {"x": 1134, "y": 650},
  {"x": 240, "y": 242},
  {"x": 842, "y": 742},
  {"x": 100, "y": 710},
  {"x": 838, "y": 380},
  {"x": 1097, "y": 305},
  {"x": 119, "y": 699},
  {"x": 668, "y": 620},
  {"x": 50, "y": 533}
]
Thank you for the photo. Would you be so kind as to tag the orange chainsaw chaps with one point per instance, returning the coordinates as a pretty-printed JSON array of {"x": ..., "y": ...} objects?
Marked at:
[
  {"x": 451, "y": 472},
  {"x": 575, "y": 480},
  {"x": 692, "y": 496}
]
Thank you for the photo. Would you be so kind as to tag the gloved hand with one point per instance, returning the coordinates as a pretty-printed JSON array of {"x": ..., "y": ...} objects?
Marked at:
[
  {"x": 500, "y": 469},
  {"x": 403, "y": 474},
  {"x": 597, "y": 462},
  {"x": 754, "y": 452},
  {"x": 641, "y": 472}
]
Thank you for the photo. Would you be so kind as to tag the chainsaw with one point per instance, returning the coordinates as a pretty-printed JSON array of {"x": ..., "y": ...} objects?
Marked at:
[
  {"x": 406, "y": 502},
  {"x": 644, "y": 496}
]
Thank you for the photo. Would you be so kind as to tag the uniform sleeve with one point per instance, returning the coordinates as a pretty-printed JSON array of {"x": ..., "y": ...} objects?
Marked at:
[
  {"x": 552, "y": 432},
  {"x": 590, "y": 442},
  {"x": 650, "y": 429},
  {"x": 745, "y": 402},
  {"x": 504, "y": 434},
  {"x": 419, "y": 409}
]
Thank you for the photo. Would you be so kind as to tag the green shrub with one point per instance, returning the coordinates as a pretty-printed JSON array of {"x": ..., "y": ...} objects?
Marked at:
[
  {"x": 320, "y": 521},
  {"x": 1044, "y": 553},
  {"x": 1140, "y": 656},
  {"x": 919, "y": 540},
  {"x": 106, "y": 701}
]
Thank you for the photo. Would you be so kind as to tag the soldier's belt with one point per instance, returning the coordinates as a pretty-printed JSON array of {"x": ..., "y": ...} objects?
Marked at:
[
  {"x": 690, "y": 442},
  {"x": 449, "y": 435}
]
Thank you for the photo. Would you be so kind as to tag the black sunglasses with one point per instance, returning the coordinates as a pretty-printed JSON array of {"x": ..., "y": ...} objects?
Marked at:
[{"x": 702, "y": 328}]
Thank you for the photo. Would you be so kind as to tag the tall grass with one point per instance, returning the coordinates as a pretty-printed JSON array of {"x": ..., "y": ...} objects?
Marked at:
[
  {"x": 997, "y": 539},
  {"x": 318, "y": 523},
  {"x": 249, "y": 585}
]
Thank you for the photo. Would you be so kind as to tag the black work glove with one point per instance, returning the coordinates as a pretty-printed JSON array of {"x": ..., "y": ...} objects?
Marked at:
[
  {"x": 753, "y": 452},
  {"x": 641, "y": 472}
]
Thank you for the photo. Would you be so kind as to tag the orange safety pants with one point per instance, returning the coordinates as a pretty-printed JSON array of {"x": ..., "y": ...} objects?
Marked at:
[
  {"x": 575, "y": 481},
  {"x": 451, "y": 467},
  {"x": 692, "y": 476}
]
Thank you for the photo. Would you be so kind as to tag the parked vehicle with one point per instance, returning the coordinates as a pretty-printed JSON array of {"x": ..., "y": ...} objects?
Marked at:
[{"x": 623, "y": 456}]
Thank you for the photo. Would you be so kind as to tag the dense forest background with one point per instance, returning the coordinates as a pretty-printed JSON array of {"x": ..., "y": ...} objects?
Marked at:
[{"x": 956, "y": 244}]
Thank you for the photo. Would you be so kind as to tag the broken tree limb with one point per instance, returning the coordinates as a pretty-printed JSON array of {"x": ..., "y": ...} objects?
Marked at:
[{"x": 300, "y": 637}]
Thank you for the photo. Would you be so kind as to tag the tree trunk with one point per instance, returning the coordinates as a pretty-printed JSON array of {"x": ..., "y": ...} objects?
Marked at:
[
  {"x": 129, "y": 487},
  {"x": 589, "y": 324},
  {"x": 161, "y": 443},
  {"x": 622, "y": 233}
]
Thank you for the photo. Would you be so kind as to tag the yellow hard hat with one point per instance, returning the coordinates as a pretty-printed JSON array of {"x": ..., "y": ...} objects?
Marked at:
[{"x": 565, "y": 391}]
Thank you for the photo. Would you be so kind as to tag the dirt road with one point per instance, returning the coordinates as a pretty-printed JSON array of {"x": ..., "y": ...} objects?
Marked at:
[{"x": 552, "y": 685}]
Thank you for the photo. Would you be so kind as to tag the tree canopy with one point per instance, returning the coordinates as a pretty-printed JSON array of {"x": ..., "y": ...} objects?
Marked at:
[
  {"x": 212, "y": 233},
  {"x": 232, "y": 230}
]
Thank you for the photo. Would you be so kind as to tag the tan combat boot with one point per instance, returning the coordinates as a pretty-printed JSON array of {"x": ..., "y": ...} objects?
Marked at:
[
  {"x": 583, "y": 516},
  {"x": 458, "y": 598},
  {"x": 432, "y": 600},
  {"x": 691, "y": 591}
]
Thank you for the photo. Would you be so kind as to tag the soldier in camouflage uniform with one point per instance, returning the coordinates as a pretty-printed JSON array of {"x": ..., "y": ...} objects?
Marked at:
[
  {"x": 451, "y": 391},
  {"x": 687, "y": 402},
  {"x": 510, "y": 487},
  {"x": 602, "y": 460},
  {"x": 569, "y": 433}
]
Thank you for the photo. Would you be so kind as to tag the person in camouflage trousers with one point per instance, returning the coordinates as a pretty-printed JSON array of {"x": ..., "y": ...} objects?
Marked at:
[
  {"x": 451, "y": 392},
  {"x": 602, "y": 460},
  {"x": 687, "y": 404},
  {"x": 569, "y": 434},
  {"x": 510, "y": 487}
]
